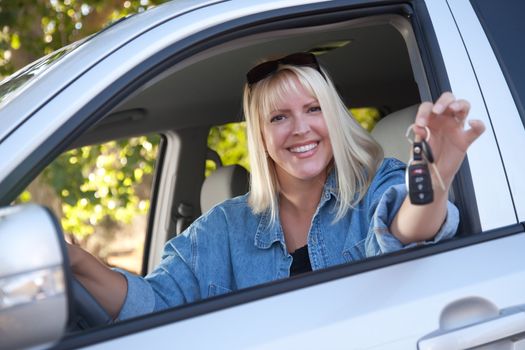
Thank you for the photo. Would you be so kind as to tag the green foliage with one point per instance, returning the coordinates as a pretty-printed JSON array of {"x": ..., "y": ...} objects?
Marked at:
[
  {"x": 30, "y": 29},
  {"x": 229, "y": 141},
  {"x": 367, "y": 117},
  {"x": 101, "y": 185}
]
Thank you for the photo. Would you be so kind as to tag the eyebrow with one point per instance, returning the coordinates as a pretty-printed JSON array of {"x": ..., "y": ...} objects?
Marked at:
[{"x": 312, "y": 102}]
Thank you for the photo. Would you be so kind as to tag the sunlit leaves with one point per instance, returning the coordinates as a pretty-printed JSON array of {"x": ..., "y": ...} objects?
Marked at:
[
  {"x": 25, "y": 197},
  {"x": 40, "y": 27},
  {"x": 15, "y": 41},
  {"x": 131, "y": 7},
  {"x": 229, "y": 141},
  {"x": 367, "y": 117},
  {"x": 103, "y": 182}
]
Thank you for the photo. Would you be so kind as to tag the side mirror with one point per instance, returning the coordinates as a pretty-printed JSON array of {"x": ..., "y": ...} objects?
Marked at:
[{"x": 33, "y": 290}]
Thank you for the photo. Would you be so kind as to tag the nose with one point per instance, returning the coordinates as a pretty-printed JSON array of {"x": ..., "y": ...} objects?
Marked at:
[{"x": 301, "y": 125}]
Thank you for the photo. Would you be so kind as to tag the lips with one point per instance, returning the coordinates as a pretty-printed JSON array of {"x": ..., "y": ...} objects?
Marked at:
[{"x": 304, "y": 148}]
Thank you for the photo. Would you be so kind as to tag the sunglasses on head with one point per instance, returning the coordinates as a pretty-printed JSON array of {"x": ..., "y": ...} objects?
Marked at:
[{"x": 268, "y": 68}]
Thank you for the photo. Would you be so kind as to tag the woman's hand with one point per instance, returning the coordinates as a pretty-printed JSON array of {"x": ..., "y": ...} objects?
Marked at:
[
  {"x": 107, "y": 286},
  {"x": 449, "y": 139}
]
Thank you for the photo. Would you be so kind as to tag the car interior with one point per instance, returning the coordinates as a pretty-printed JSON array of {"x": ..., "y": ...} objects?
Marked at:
[{"x": 374, "y": 61}]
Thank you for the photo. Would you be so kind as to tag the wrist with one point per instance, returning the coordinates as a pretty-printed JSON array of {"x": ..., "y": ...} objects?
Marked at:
[{"x": 75, "y": 255}]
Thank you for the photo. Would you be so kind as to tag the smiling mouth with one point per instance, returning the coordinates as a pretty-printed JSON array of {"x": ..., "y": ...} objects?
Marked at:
[{"x": 304, "y": 148}]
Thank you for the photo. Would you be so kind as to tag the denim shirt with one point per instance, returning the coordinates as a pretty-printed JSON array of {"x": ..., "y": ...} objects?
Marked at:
[{"x": 229, "y": 247}]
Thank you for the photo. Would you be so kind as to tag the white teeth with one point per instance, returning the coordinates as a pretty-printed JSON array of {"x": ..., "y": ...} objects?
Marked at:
[{"x": 302, "y": 149}]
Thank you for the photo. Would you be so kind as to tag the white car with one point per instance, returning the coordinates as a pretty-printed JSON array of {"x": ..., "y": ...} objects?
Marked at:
[{"x": 177, "y": 70}]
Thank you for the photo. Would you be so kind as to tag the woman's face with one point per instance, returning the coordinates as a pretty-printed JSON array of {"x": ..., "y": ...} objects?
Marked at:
[{"x": 296, "y": 137}]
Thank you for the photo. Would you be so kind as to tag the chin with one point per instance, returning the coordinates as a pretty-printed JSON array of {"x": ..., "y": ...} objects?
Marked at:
[{"x": 309, "y": 175}]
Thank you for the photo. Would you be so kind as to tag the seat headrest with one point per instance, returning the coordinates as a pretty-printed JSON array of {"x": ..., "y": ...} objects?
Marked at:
[
  {"x": 390, "y": 132},
  {"x": 224, "y": 183}
]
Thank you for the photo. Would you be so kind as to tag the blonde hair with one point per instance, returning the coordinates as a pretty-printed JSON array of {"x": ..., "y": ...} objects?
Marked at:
[{"x": 356, "y": 154}]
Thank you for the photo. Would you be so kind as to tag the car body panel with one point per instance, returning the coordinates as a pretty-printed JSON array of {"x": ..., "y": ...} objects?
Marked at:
[
  {"x": 483, "y": 156},
  {"x": 504, "y": 116},
  {"x": 381, "y": 306},
  {"x": 387, "y": 308}
]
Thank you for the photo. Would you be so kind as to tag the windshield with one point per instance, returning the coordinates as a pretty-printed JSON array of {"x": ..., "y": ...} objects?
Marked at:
[{"x": 15, "y": 82}]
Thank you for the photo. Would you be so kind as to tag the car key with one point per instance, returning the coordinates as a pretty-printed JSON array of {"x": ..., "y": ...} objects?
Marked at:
[{"x": 418, "y": 179}]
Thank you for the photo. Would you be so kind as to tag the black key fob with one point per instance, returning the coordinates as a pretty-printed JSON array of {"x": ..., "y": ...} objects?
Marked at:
[{"x": 419, "y": 184}]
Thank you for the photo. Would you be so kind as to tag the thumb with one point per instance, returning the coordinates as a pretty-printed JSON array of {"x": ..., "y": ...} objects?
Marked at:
[{"x": 476, "y": 129}]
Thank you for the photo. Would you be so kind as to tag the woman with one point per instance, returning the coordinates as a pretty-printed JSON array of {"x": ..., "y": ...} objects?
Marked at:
[{"x": 321, "y": 194}]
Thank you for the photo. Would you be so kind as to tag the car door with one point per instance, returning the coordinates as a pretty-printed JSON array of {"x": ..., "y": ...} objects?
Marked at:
[
  {"x": 503, "y": 86},
  {"x": 417, "y": 297}
]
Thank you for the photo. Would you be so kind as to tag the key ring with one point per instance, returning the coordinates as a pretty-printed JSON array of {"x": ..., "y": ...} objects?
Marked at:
[{"x": 411, "y": 128}]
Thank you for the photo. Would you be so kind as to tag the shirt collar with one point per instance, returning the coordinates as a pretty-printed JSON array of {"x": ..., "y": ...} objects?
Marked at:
[
  {"x": 268, "y": 232},
  {"x": 330, "y": 188}
]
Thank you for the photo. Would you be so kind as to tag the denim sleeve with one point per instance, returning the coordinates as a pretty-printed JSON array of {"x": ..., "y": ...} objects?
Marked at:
[
  {"x": 387, "y": 197},
  {"x": 173, "y": 282},
  {"x": 139, "y": 298}
]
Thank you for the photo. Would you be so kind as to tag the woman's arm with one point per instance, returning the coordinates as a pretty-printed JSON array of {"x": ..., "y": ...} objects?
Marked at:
[
  {"x": 449, "y": 142},
  {"x": 107, "y": 286}
]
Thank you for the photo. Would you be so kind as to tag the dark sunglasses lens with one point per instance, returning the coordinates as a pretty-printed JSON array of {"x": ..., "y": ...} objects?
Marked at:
[
  {"x": 301, "y": 59},
  {"x": 265, "y": 69},
  {"x": 261, "y": 71}
]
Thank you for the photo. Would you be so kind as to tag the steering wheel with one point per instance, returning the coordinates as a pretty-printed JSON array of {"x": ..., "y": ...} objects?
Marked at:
[{"x": 87, "y": 312}]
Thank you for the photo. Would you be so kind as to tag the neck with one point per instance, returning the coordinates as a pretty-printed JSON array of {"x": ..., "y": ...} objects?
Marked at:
[
  {"x": 301, "y": 196},
  {"x": 297, "y": 205}
]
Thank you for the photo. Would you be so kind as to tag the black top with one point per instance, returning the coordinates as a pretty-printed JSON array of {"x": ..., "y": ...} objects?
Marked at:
[{"x": 301, "y": 261}]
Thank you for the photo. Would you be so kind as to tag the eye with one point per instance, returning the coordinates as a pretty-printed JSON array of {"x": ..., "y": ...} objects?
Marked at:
[
  {"x": 277, "y": 118},
  {"x": 314, "y": 109}
]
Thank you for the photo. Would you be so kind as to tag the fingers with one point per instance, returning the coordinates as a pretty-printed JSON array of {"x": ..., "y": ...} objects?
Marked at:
[
  {"x": 447, "y": 105},
  {"x": 443, "y": 102},
  {"x": 422, "y": 119},
  {"x": 476, "y": 129},
  {"x": 460, "y": 109}
]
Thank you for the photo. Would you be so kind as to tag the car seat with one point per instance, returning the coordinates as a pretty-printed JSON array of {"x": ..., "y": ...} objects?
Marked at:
[
  {"x": 223, "y": 183},
  {"x": 390, "y": 132}
]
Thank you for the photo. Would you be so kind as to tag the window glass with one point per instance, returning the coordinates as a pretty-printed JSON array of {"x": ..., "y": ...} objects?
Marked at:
[
  {"x": 101, "y": 195},
  {"x": 229, "y": 141},
  {"x": 503, "y": 22}
]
